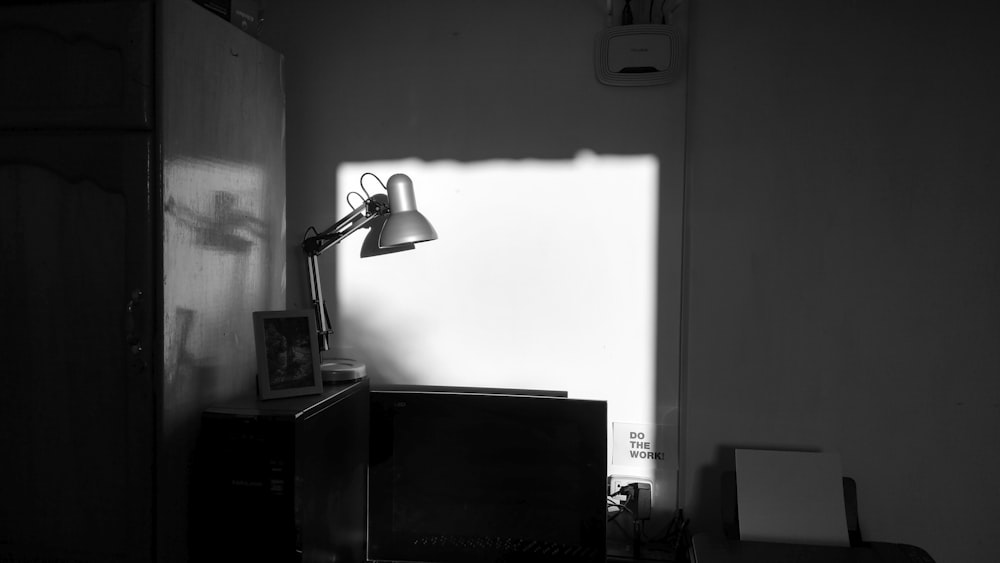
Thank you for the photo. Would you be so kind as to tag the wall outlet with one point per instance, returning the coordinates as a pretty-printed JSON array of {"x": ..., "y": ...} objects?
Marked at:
[{"x": 616, "y": 482}]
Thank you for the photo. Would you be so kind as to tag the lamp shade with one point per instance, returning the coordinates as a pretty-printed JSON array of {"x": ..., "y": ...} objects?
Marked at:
[
  {"x": 404, "y": 223},
  {"x": 370, "y": 247}
]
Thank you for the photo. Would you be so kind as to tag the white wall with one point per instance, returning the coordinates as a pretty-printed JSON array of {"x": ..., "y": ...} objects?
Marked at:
[
  {"x": 845, "y": 257},
  {"x": 842, "y": 245},
  {"x": 495, "y": 94}
]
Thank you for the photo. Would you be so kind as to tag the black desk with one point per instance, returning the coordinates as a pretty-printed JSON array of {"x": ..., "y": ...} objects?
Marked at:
[
  {"x": 711, "y": 549},
  {"x": 283, "y": 480}
]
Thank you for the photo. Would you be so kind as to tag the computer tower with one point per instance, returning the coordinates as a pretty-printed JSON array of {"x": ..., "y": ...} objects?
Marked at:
[{"x": 283, "y": 480}]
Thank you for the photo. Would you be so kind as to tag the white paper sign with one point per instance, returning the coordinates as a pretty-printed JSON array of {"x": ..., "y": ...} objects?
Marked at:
[{"x": 639, "y": 444}]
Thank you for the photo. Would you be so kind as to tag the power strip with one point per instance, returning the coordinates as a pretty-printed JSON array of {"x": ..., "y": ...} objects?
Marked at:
[{"x": 616, "y": 482}]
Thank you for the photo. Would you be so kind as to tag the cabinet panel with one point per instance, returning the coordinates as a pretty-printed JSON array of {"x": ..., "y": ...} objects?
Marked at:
[
  {"x": 284, "y": 480},
  {"x": 220, "y": 124},
  {"x": 75, "y": 401},
  {"x": 84, "y": 65}
]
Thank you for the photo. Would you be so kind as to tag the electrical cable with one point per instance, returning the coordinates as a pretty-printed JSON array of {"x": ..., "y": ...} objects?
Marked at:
[
  {"x": 668, "y": 17},
  {"x": 621, "y": 508},
  {"x": 627, "y": 13},
  {"x": 673, "y": 539}
]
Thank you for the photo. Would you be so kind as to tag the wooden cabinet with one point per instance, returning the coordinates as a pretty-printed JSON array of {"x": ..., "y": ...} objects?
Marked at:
[
  {"x": 75, "y": 401},
  {"x": 85, "y": 65},
  {"x": 141, "y": 223}
]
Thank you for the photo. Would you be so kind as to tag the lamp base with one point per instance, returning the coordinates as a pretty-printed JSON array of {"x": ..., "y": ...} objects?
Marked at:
[{"x": 342, "y": 369}]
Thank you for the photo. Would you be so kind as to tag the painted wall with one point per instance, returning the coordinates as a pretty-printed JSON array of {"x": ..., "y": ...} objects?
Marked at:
[
  {"x": 845, "y": 257},
  {"x": 842, "y": 258},
  {"x": 456, "y": 89}
]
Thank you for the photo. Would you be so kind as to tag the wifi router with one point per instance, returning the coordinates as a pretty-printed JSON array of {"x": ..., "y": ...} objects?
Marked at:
[{"x": 637, "y": 55}]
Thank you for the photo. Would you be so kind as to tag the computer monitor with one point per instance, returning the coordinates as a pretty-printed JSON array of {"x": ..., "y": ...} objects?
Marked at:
[{"x": 458, "y": 476}]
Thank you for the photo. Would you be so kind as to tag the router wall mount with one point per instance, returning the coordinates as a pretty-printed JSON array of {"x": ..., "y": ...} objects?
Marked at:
[{"x": 637, "y": 55}]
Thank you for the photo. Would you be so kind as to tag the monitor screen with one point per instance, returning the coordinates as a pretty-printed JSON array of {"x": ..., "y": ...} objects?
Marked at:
[{"x": 468, "y": 476}]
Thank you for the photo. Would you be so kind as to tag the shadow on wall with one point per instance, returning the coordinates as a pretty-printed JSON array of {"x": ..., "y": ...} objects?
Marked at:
[{"x": 224, "y": 227}]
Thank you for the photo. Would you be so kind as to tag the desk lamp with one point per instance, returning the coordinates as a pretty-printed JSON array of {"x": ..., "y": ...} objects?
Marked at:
[{"x": 394, "y": 224}]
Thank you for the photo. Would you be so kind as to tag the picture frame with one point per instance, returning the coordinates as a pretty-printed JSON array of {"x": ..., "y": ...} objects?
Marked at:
[{"x": 287, "y": 353}]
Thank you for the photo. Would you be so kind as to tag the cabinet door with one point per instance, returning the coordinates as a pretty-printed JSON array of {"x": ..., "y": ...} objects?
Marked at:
[
  {"x": 76, "y": 65},
  {"x": 220, "y": 110},
  {"x": 75, "y": 394}
]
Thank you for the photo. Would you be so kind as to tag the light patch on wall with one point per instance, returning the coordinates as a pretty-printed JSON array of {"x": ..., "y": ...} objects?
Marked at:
[{"x": 543, "y": 277}]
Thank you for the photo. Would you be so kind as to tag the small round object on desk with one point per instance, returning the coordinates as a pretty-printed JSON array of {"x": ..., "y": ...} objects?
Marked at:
[{"x": 342, "y": 369}]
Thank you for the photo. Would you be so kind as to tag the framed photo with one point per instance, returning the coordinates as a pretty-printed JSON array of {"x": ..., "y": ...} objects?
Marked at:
[{"x": 287, "y": 354}]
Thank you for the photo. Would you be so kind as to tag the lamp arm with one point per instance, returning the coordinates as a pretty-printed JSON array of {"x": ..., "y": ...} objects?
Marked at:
[
  {"x": 345, "y": 227},
  {"x": 319, "y": 307},
  {"x": 359, "y": 218}
]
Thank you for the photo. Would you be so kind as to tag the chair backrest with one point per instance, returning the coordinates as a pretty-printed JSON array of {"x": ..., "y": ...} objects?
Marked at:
[{"x": 730, "y": 510}]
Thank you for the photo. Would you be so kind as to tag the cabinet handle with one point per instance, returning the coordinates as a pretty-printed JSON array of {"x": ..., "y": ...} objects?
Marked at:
[{"x": 131, "y": 311}]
